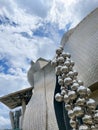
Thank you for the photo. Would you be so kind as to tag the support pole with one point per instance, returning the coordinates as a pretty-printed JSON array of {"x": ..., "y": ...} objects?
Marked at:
[
  {"x": 23, "y": 106},
  {"x": 23, "y": 111},
  {"x": 12, "y": 119}
]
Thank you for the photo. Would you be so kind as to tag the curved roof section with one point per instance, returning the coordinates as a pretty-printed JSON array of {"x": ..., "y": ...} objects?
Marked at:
[{"x": 14, "y": 100}]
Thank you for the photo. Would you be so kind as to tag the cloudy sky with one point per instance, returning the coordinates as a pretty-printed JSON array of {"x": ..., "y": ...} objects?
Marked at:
[{"x": 30, "y": 29}]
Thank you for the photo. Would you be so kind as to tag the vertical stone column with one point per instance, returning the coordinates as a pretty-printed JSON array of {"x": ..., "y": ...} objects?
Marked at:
[
  {"x": 23, "y": 106},
  {"x": 23, "y": 112}
]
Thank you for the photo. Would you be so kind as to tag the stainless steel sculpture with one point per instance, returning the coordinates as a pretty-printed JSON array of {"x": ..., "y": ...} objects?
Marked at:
[
  {"x": 81, "y": 42},
  {"x": 39, "y": 114},
  {"x": 74, "y": 95}
]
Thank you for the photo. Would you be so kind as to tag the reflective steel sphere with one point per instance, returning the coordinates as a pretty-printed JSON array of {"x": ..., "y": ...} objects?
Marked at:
[
  {"x": 72, "y": 95},
  {"x": 82, "y": 90},
  {"x": 61, "y": 82},
  {"x": 70, "y": 68},
  {"x": 68, "y": 55},
  {"x": 68, "y": 59},
  {"x": 87, "y": 119},
  {"x": 60, "y": 59},
  {"x": 73, "y": 123},
  {"x": 71, "y": 74},
  {"x": 71, "y": 114},
  {"x": 84, "y": 127},
  {"x": 75, "y": 73},
  {"x": 67, "y": 107},
  {"x": 64, "y": 76},
  {"x": 58, "y": 70},
  {"x": 67, "y": 81},
  {"x": 74, "y": 81},
  {"x": 80, "y": 101},
  {"x": 72, "y": 63},
  {"x": 64, "y": 55},
  {"x": 62, "y": 88},
  {"x": 93, "y": 127},
  {"x": 88, "y": 92},
  {"x": 64, "y": 69},
  {"x": 75, "y": 86},
  {"x": 67, "y": 63},
  {"x": 63, "y": 92},
  {"x": 78, "y": 111},
  {"x": 91, "y": 104},
  {"x": 58, "y": 51},
  {"x": 59, "y": 77},
  {"x": 80, "y": 82},
  {"x": 66, "y": 98},
  {"x": 58, "y": 97},
  {"x": 54, "y": 63}
]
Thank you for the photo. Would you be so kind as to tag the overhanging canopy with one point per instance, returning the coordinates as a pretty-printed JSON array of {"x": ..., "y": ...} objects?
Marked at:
[{"x": 14, "y": 100}]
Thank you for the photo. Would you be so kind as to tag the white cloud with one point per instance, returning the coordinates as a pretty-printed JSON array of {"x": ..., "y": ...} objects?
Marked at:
[
  {"x": 5, "y": 110},
  {"x": 19, "y": 48},
  {"x": 11, "y": 83},
  {"x": 65, "y": 11},
  {"x": 82, "y": 7},
  {"x": 31, "y": 13},
  {"x": 6, "y": 6},
  {"x": 35, "y": 7},
  {"x": 4, "y": 122}
]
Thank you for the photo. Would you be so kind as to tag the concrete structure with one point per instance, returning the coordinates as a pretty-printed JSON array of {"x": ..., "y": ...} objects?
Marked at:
[{"x": 82, "y": 43}]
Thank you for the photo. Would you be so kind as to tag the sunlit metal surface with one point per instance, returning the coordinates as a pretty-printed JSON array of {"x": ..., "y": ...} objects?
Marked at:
[{"x": 82, "y": 43}]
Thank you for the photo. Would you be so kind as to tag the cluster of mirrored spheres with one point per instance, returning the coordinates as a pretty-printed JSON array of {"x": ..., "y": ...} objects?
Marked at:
[{"x": 76, "y": 97}]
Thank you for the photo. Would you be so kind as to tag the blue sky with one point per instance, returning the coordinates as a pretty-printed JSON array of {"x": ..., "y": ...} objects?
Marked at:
[{"x": 30, "y": 29}]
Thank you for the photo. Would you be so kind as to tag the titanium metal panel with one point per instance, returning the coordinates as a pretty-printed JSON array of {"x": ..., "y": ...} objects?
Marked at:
[{"x": 82, "y": 43}]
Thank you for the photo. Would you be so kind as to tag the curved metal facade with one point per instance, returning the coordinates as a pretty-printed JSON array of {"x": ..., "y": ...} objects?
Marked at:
[{"x": 82, "y": 43}]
